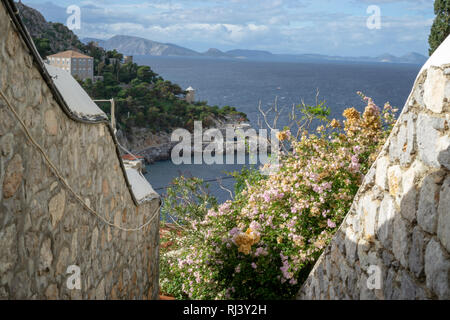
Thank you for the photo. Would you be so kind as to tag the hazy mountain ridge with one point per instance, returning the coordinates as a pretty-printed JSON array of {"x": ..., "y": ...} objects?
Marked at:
[{"x": 139, "y": 46}]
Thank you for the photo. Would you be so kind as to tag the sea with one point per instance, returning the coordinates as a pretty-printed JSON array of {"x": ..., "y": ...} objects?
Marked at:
[{"x": 247, "y": 84}]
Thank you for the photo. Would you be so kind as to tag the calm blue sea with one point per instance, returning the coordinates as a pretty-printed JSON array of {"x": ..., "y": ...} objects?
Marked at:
[{"x": 243, "y": 84}]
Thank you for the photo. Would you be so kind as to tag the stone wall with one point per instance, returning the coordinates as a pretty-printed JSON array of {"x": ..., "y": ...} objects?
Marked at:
[
  {"x": 395, "y": 241},
  {"x": 43, "y": 228}
]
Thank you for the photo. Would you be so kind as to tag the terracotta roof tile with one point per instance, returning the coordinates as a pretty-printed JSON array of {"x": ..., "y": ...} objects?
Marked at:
[
  {"x": 69, "y": 54},
  {"x": 130, "y": 157}
]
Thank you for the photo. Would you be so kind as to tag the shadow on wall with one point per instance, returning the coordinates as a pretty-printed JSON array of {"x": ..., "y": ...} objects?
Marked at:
[{"x": 396, "y": 248}]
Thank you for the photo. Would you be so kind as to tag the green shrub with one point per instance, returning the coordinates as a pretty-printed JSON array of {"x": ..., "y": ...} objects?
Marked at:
[{"x": 263, "y": 244}]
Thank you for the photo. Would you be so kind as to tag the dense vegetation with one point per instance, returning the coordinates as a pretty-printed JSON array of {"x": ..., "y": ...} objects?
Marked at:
[
  {"x": 262, "y": 244},
  {"x": 441, "y": 26},
  {"x": 143, "y": 98},
  {"x": 55, "y": 39}
]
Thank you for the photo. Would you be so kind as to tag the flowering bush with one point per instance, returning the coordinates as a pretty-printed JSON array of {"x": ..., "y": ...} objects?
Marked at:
[{"x": 263, "y": 244}]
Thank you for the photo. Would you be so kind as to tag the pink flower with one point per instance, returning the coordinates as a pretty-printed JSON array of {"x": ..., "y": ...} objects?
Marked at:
[
  {"x": 331, "y": 224},
  {"x": 255, "y": 226},
  {"x": 234, "y": 231},
  {"x": 254, "y": 266}
]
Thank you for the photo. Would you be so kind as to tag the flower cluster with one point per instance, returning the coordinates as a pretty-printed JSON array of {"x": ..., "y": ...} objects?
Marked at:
[
  {"x": 289, "y": 217},
  {"x": 246, "y": 240}
]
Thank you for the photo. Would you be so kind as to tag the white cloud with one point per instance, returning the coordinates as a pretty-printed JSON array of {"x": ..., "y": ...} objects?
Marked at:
[{"x": 321, "y": 26}]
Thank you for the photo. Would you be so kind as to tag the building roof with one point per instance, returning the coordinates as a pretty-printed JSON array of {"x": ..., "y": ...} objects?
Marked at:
[
  {"x": 142, "y": 190},
  {"x": 69, "y": 54},
  {"x": 190, "y": 89},
  {"x": 74, "y": 95},
  {"x": 131, "y": 157}
]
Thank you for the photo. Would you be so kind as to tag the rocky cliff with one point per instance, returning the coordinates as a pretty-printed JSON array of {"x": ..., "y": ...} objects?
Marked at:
[{"x": 59, "y": 37}]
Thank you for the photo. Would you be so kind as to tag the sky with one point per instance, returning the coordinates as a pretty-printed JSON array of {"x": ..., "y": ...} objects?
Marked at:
[{"x": 331, "y": 27}]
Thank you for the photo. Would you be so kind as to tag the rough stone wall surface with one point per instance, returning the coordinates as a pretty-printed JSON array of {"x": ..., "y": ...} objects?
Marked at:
[
  {"x": 395, "y": 241},
  {"x": 43, "y": 229}
]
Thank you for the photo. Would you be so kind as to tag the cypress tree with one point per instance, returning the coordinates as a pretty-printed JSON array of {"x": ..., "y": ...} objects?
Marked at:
[{"x": 441, "y": 26}]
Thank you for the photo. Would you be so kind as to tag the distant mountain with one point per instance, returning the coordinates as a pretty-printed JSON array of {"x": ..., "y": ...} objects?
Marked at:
[
  {"x": 216, "y": 53},
  {"x": 386, "y": 58},
  {"x": 139, "y": 46},
  {"x": 414, "y": 57},
  {"x": 99, "y": 41}
]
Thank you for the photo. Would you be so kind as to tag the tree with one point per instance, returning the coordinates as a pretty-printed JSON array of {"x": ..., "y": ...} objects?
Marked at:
[
  {"x": 43, "y": 46},
  {"x": 146, "y": 74},
  {"x": 441, "y": 26}
]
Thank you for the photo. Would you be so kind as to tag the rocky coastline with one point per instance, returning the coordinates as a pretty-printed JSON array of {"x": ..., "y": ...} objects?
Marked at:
[{"x": 158, "y": 146}]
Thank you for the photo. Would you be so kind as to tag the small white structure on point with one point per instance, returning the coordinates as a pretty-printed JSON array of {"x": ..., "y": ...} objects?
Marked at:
[{"x": 190, "y": 95}]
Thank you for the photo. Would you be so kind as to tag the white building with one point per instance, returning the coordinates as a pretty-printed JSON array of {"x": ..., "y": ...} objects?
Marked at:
[
  {"x": 190, "y": 95},
  {"x": 79, "y": 65}
]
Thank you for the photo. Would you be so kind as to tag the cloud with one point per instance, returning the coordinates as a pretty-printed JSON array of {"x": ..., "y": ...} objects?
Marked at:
[{"x": 282, "y": 26}]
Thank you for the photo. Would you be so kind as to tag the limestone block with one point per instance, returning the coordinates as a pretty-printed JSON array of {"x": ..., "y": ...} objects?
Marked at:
[
  {"x": 51, "y": 122},
  {"x": 369, "y": 178},
  {"x": 100, "y": 291},
  {"x": 56, "y": 207},
  {"x": 12, "y": 44},
  {"x": 74, "y": 246},
  {"x": 395, "y": 181},
  {"x": 62, "y": 262},
  {"x": 430, "y": 142},
  {"x": 386, "y": 221},
  {"x": 370, "y": 211},
  {"x": 417, "y": 252},
  {"x": 427, "y": 210},
  {"x": 46, "y": 256},
  {"x": 365, "y": 292},
  {"x": 350, "y": 245},
  {"x": 418, "y": 94},
  {"x": 94, "y": 242},
  {"x": 394, "y": 150},
  {"x": 52, "y": 292},
  {"x": 7, "y": 145},
  {"x": 443, "y": 230},
  {"x": 13, "y": 176},
  {"x": 437, "y": 270},
  {"x": 381, "y": 172},
  {"x": 401, "y": 240},
  {"x": 410, "y": 180},
  {"x": 406, "y": 141},
  {"x": 444, "y": 155},
  {"x": 435, "y": 90},
  {"x": 410, "y": 290},
  {"x": 391, "y": 286},
  {"x": 8, "y": 248}
]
